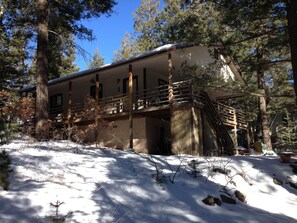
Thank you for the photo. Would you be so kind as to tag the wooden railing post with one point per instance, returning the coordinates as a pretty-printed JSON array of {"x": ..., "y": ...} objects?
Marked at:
[
  {"x": 235, "y": 132},
  {"x": 97, "y": 88},
  {"x": 97, "y": 107},
  {"x": 130, "y": 106},
  {"x": 144, "y": 86},
  {"x": 170, "y": 80},
  {"x": 191, "y": 93},
  {"x": 69, "y": 105},
  {"x": 170, "y": 100}
]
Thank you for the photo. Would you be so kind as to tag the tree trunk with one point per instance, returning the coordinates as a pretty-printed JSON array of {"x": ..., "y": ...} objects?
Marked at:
[
  {"x": 292, "y": 29},
  {"x": 42, "y": 128},
  {"x": 258, "y": 127},
  {"x": 1, "y": 15},
  {"x": 263, "y": 107},
  {"x": 265, "y": 122}
]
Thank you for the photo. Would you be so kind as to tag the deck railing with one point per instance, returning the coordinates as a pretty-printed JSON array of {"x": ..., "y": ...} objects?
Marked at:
[
  {"x": 230, "y": 116},
  {"x": 156, "y": 98}
]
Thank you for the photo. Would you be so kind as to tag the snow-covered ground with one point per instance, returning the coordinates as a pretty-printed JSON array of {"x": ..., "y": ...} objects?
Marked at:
[{"x": 105, "y": 185}]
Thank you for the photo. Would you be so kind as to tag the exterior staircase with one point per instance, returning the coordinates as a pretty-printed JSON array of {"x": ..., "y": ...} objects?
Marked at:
[{"x": 225, "y": 142}]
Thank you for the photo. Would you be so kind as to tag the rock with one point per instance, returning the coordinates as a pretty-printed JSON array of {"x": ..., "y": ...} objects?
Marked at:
[
  {"x": 277, "y": 181},
  {"x": 294, "y": 185},
  {"x": 227, "y": 199},
  {"x": 294, "y": 167},
  {"x": 217, "y": 201},
  {"x": 221, "y": 170},
  {"x": 240, "y": 196},
  {"x": 211, "y": 200}
]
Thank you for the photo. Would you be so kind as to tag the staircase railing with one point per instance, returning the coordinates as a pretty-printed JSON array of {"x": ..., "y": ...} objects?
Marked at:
[{"x": 225, "y": 141}]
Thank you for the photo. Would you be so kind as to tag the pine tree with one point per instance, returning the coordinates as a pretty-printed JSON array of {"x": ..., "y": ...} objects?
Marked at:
[
  {"x": 42, "y": 129},
  {"x": 97, "y": 60},
  {"x": 128, "y": 48},
  {"x": 12, "y": 50},
  {"x": 145, "y": 25},
  {"x": 255, "y": 36},
  {"x": 146, "y": 33},
  {"x": 271, "y": 23},
  {"x": 61, "y": 57},
  {"x": 291, "y": 9},
  {"x": 29, "y": 16},
  {"x": 195, "y": 21}
]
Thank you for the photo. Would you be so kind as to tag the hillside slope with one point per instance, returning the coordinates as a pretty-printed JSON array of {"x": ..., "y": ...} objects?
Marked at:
[{"x": 105, "y": 185}]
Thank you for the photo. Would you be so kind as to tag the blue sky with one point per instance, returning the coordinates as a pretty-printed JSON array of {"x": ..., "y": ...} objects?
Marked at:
[{"x": 108, "y": 31}]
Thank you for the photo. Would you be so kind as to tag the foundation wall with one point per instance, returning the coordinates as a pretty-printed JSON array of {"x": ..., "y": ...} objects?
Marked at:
[{"x": 186, "y": 131}]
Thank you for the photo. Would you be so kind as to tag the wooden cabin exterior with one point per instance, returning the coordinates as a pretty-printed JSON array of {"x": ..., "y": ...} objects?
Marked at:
[{"x": 147, "y": 103}]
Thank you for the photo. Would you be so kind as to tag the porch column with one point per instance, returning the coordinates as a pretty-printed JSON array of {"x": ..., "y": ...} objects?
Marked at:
[
  {"x": 235, "y": 132},
  {"x": 97, "y": 97},
  {"x": 97, "y": 89},
  {"x": 69, "y": 104},
  {"x": 144, "y": 86},
  {"x": 170, "y": 101},
  {"x": 130, "y": 98},
  {"x": 97, "y": 108},
  {"x": 170, "y": 81}
]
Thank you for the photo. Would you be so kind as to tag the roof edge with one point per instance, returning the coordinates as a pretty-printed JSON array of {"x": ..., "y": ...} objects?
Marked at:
[{"x": 156, "y": 51}]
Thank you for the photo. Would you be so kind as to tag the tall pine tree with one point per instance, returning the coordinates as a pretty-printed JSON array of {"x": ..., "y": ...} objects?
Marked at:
[
  {"x": 128, "y": 48},
  {"x": 97, "y": 60},
  {"x": 146, "y": 34},
  {"x": 31, "y": 16}
]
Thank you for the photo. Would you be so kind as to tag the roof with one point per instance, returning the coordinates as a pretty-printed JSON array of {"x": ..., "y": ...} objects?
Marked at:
[{"x": 159, "y": 50}]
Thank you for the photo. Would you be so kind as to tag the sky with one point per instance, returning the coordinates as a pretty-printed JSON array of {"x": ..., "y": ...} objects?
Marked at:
[{"x": 108, "y": 31}]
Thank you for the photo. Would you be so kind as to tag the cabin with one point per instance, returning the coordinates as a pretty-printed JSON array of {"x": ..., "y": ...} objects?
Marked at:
[{"x": 148, "y": 103}]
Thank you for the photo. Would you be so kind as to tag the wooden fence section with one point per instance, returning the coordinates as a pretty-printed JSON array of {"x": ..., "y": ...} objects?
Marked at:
[{"x": 156, "y": 98}]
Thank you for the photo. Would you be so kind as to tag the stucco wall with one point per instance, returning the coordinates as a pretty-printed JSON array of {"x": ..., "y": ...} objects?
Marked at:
[
  {"x": 210, "y": 145},
  {"x": 116, "y": 134},
  {"x": 61, "y": 88},
  {"x": 197, "y": 131},
  {"x": 186, "y": 131}
]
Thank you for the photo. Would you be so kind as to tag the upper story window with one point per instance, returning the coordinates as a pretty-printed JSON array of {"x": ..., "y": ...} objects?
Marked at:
[
  {"x": 93, "y": 91},
  {"x": 126, "y": 85},
  {"x": 162, "y": 82},
  {"x": 56, "y": 101}
]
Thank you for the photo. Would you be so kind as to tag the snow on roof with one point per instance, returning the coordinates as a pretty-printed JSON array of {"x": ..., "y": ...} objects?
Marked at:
[{"x": 161, "y": 49}]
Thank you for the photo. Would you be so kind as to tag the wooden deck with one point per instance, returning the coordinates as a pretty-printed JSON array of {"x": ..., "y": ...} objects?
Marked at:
[{"x": 151, "y": 101}]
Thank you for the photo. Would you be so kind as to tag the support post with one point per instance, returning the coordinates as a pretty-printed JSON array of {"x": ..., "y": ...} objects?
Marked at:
[
  {"x": 97, "y": 108},
  {"x": 130, "y": 106},
  {"x": 69, "y": 105},
  {"x": 170, "y": 100},
  {"x": 144, "y": 87},
  {"x": 97, "y": 88},
  {"x": 235, "y": 132},
  {"x": 170, "y": 81}
]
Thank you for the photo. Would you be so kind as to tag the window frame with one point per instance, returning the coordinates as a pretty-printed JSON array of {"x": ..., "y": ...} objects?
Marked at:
[{"x": 54, "y": 101}]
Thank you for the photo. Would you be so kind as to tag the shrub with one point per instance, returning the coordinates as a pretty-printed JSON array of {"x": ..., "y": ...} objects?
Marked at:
[{"x": 8, "y": 113}]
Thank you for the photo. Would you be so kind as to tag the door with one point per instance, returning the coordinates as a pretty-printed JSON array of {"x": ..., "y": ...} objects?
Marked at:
[
  {"x": 126, "y": 91},
  {"x": 126, "y": 85},
  {"x": 93, "y": 91}
]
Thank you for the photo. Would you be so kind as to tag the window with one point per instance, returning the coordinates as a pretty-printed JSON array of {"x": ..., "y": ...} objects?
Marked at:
[
  {"x": 162, "y": 82},
  {"x": 126, "y": 85},
  {"x": 93, "y": 91},
  {"x": 56, "y": 101}
]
